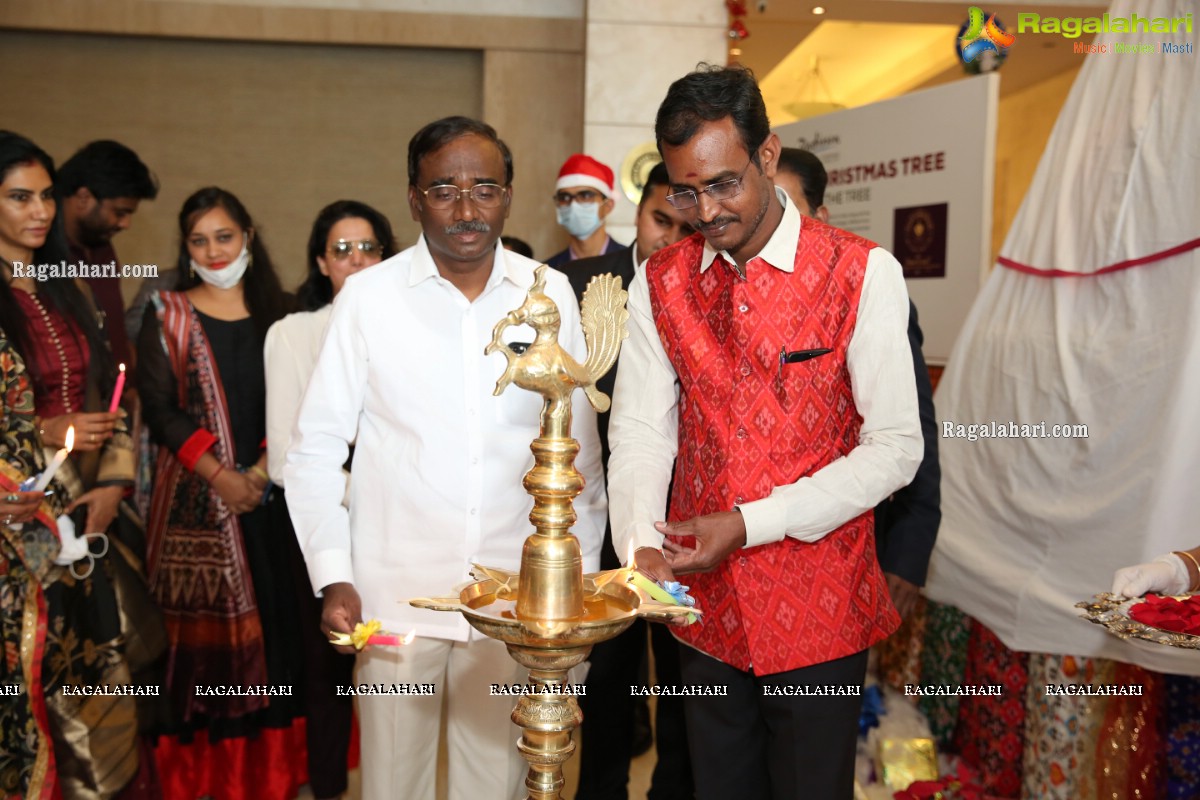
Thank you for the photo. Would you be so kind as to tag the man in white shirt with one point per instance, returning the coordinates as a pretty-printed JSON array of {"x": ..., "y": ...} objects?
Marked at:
[
  {"x": 438, "y": 462},
  {"x": 767, "y": 362}
]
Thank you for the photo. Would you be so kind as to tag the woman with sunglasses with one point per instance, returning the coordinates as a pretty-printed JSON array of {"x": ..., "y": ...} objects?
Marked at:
[
  {"x": 217, "y": 527},
  {"x": 346, "y": 237}
]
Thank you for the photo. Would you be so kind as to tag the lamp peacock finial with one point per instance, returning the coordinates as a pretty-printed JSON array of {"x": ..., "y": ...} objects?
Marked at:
[{"x": 545, "y": 367}]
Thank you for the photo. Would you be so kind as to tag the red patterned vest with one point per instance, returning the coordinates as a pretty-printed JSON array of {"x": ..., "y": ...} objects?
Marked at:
[{"x": 744, "y": 429}]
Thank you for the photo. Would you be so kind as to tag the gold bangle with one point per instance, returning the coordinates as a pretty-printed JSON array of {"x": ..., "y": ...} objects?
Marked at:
[
  {"x": 1192, "y": 558},
  {"x": 260, "y": 472}
]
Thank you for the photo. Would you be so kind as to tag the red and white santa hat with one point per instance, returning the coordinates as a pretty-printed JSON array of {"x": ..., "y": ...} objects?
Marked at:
[{"x": 581, "y": 170}]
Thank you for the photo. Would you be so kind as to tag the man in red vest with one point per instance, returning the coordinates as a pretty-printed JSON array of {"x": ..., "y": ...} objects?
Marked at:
[{"x": 768, "y": 363}]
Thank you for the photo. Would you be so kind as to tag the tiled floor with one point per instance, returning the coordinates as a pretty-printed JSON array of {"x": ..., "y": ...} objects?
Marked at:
[{"x": 639, "y": 777}]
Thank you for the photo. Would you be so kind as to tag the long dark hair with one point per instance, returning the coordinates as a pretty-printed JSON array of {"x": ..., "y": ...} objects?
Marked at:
[
  {"x": 317, "y": 289},
  {"x": 61, "y": 293},
  {"x": 264, "y": 296}
]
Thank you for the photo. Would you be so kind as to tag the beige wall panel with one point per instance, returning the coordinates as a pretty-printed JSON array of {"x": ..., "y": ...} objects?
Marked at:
[
  {"x": 288, "y": 128},
  {"x": 1026, "y": 120},
  {"x": 273, "y": 22},
  {"x": 535, "y": 102}
]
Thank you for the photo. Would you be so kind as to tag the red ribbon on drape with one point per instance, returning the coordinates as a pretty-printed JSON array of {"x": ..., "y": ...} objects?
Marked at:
[{"x": 1133, "y": 262}]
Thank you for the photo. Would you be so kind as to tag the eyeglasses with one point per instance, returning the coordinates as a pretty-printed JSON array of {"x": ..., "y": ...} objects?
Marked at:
[
  {"x": 721, "y": 190},
  {"x": 587, "y": 196},
  {"x": 342, "y": 248},
  {"x": 444, "y": 195}
]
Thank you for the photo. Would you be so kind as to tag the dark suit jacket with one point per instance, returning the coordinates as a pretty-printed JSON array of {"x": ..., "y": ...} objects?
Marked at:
[
  {"x": 619, "y": 263},
  {"x": 906, "y": 524},
  {"x": 580, "y": 271},
  {"x": 562, "y": 259}
]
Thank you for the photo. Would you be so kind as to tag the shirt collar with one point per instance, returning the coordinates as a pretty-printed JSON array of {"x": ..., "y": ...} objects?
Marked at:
[
  {"x": 780, "y": 250},
  {"x": 424, "y": 268}
]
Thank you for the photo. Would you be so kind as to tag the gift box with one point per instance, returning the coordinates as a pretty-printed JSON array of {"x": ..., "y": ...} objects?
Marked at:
[{"x": 902, "y": 762}]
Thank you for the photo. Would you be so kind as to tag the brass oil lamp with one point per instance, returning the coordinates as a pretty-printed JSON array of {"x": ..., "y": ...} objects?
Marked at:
[{"x": 551, "y": 614}]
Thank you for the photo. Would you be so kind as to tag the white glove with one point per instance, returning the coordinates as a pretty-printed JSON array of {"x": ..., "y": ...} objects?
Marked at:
[
  {"x": 73, "y": 547},
  {"x": 76, "y": 548},
  {"x": 1164, "y": 575}
]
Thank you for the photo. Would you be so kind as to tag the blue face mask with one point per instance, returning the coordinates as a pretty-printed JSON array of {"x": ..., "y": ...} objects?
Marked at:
[{"x": 580, "y": 219}]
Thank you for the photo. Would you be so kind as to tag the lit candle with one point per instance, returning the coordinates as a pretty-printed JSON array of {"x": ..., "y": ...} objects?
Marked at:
[
  {"x": 44, "y": 480},
  {"x": 117, "y": 390}
]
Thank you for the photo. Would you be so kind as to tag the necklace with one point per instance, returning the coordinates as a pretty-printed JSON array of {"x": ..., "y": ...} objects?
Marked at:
[{"x": 56, "y": 340}]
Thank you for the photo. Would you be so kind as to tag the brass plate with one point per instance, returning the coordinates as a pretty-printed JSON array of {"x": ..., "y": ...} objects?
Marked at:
[{"x": 1113, "y": 613}]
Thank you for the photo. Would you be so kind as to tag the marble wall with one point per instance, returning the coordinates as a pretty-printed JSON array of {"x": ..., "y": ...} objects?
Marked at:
[{"x": 635, "y": 50}]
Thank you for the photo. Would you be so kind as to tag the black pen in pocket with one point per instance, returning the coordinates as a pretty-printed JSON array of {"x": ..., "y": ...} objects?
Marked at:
[{"x": 796, "y": 356}]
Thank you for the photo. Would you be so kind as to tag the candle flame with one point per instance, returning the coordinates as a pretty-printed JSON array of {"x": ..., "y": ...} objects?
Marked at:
[
  {"x": 408, "y": 639},
  {"x": 70, "y": 441},
  {"x": 121, "y": 367},
  {"x": 629, "y": 557}
]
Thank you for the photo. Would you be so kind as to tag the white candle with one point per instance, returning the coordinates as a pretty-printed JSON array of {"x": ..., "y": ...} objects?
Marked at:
[
  {"x": 44, "y": 479},
  {"x": 120, "y": 387}
]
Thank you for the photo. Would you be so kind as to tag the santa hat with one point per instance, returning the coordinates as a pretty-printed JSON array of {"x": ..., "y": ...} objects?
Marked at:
[{"x": 581, "y": 170}]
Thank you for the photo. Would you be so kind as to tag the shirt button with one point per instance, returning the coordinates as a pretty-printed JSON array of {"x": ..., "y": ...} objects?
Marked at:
[
  {"x": 743, "y": 308},
  {"x": 475, "y": 460},
  {"x": 742, "y": 562},
  {"x": 741, "y": 433},
  {"x": 738, "y": 500},
  {"x": 745, "y": 369},
  {"x": 472, "y": 512}
]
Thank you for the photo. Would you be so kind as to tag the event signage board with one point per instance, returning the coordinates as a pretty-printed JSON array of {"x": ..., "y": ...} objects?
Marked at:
[{"x": 915, "y": 175}]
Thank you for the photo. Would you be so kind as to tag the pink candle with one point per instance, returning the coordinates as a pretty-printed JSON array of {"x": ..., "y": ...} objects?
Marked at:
[
  {"x": 367, "y": 633},
  {"x": 391, "y": 640},
  {"x": 120, "y": 387}
]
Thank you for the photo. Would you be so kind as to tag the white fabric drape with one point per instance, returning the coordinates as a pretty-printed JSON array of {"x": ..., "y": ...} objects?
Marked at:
[{"x": 1031, "y": 526}]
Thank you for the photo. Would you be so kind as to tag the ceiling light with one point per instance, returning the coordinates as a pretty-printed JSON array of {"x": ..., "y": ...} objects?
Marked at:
[{"x": 819, "y": 10}]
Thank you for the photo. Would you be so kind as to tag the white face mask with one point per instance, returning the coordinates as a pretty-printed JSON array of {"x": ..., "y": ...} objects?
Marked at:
[
  {"x": 580, "y": 219},
  {"x": 228, "y": 276}
]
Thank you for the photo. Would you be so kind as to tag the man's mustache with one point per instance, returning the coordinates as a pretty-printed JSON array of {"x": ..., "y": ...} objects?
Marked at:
[
  {"x": 468, "y": 226},
  {"x": 716, "y": 223}
]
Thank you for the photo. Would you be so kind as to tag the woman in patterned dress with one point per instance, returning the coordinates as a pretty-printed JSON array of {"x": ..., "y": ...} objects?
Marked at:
[
  {"x": 52, "y": 327},
  {"x": 217, "y": 531}
]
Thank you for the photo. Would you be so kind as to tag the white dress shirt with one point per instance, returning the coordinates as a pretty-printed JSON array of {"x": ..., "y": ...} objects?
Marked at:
[
  {"x": 644, "y": 427},
  {"x": 438, "y": 459}
]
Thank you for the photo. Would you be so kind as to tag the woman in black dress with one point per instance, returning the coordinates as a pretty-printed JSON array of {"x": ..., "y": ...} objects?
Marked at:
[{"x": 216, "y": 527}]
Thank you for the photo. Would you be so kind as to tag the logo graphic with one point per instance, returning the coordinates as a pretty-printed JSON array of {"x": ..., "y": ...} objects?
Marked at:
[{"x": 977, "y": 37}]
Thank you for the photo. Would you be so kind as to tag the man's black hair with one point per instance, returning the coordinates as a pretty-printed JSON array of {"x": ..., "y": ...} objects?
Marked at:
[
  {"x": 656, "y": 177},
  {"x": 709, "y": 94},
  {"x": 107, "y": 169},
  {"x": 811, "y": 172},
  {"x": 517, "y": 245},
  {"x": 441, "y": 132}
]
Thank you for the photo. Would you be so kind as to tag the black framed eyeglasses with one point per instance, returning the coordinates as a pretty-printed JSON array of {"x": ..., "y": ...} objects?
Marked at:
[
  {"x": 721, "y": 190},
  {"x": 342, "y": 248},
  {"x": 444, "y": 195},
  {"x": 586, "y": 196}
]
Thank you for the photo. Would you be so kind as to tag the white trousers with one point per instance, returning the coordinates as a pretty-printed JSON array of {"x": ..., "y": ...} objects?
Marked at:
[{"x": 400, "y": 732}]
